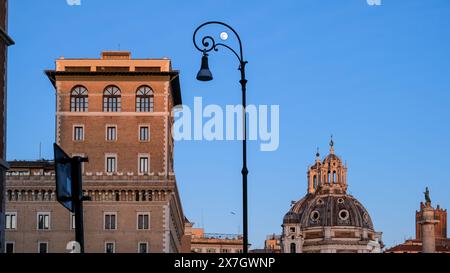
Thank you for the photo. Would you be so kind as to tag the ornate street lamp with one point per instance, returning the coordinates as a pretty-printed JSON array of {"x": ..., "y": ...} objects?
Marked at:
[{"x": 209, "y": 44}]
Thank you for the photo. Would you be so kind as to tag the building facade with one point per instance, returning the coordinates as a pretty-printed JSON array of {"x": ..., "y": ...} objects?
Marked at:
[
  {"x": 327, "y": 219},
  {"x": 431, "y": 231},
  {"x": 202, "y": 242},
  {"x": 117, "y": 112},
  {"x": 272, "y": 244},
  {"x": 5, "y": 41}
]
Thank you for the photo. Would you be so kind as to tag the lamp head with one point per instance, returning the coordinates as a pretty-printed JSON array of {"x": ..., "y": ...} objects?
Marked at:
[{"x": 205, "y": 74}]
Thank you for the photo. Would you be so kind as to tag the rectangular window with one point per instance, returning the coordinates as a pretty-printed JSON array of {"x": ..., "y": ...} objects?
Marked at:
[
  {"x": 110, "y": 221},
  {"x": 110, "y": 247},
  {"x": 79, "y": 104},
  {"x": 11, "y": 220},
  {"x": 43, "y": 247},
  {"x": 144, "y": 133},
  {"x": 145, "y": 100},
  {"x": 78, "y": 133},
  {"x": 111, "y": 164},
  {"x": 143, "y": 165},
  {"x": 111, "y": 133},
  {"x": 144, "y": 221},
  {"x": 43, "y": 221},
  {"x": 143, "y": 248},
  {"x": 112, "y": 104},
  {"x": 9, "y": 247}
]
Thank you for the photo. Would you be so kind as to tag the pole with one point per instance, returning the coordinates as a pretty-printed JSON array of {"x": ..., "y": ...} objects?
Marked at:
[
  {"x": 77, "y": 195},
  {"x": 208, "y": 45},
  {"x": 244, "y": 158}
]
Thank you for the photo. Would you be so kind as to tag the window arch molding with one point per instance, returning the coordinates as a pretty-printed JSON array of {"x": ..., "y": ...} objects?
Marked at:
[
  {"x": 145, "y": 98},
  {"x": 79, "y": 99},
  {"x": 112, "y": 99}
]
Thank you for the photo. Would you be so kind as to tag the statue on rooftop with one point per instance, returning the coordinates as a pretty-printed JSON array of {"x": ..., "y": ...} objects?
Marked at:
[{"x": 427, "y": 196}]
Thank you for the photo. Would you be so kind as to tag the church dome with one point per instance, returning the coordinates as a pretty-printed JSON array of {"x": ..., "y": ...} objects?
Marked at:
[
  {"x": 328, "y": 219},
  {"x": 317, "y": 210}
]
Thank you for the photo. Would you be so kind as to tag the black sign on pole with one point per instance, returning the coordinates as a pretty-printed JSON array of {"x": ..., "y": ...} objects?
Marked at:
[
  {"x": 69, "y": 188},
  {"x": 63, "y": 173}
]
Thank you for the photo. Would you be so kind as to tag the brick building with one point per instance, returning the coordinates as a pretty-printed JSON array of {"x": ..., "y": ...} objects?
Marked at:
[
  {"x": 202, "y": 242},
  {"x": 5, "y": 41},
  {"x": 440, "y": 228},
  {"x": 117, "y": 112},
  {"x": 272, "y": 244}
]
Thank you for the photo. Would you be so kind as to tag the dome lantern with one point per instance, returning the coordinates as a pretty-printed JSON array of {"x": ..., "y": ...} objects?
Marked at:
[{"x": 329, "y": 175}]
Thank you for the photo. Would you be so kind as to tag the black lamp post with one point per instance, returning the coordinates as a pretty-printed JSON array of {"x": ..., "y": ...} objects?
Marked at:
[{"x": 209, "y": 44}]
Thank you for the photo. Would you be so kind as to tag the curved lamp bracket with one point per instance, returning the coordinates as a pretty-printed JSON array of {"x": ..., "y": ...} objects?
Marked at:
[{"x": 209, "y": 43}]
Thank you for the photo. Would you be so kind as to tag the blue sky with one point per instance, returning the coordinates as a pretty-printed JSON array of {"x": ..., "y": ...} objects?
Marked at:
[{"x": 375, "y": 77}]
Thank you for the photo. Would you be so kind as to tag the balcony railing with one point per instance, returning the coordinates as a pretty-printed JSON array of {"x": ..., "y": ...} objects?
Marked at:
[{"x": 220, "y": 236}]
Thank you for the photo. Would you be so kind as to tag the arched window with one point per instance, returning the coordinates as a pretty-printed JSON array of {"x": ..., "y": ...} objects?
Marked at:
[
  {"x": 79, "y": 100},
  {"x": 293, "y": 248},
  {"x": 315, "y": 181},
  {"x": 334, "y": 177},
  {"x": 112, "y": 99},
  {"x": 144, "y": 99}
]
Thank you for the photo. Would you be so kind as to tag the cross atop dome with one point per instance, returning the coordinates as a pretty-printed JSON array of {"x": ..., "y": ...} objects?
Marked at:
[{"x": 332, "y": 145}]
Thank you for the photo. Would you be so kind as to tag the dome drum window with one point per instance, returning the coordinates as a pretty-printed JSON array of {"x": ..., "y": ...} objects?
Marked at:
[
  {"x": 315, "y": 216},
  {"x": 366, "y": 218},
  {"x": 344, "y": 215}
]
